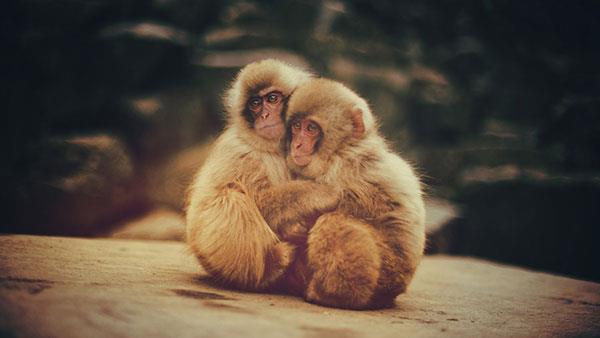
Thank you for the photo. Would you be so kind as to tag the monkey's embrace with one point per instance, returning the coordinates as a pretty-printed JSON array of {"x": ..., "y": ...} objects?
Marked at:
[{"x": 322, "y": 208}]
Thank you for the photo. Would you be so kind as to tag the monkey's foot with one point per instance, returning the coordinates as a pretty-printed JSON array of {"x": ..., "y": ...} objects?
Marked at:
[{"x": 277, "y": 262}]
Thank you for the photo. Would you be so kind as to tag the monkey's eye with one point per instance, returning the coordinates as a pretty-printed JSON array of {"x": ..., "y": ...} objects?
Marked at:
[
  {"x": 273, "y": 97},
  {"x": 312, "y": 128},
  {"x": 254, "y": 103},
  {"x": 296, "y": 126}
]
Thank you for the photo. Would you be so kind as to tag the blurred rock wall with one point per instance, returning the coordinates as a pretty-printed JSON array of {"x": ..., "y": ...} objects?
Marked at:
[{"x": 110, "y": 106}]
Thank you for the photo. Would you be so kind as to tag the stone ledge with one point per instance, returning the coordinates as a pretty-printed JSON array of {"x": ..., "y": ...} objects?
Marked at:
[{"x": 71, "y": 287}]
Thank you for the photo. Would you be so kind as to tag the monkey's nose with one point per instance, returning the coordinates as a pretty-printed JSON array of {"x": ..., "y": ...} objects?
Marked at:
[{"x": 264, "y": 115}]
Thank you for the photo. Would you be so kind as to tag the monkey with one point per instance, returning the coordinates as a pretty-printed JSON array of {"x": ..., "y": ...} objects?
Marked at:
[
  {"x": 241, "y": 200},
  {"x": 365, "y": 252}
]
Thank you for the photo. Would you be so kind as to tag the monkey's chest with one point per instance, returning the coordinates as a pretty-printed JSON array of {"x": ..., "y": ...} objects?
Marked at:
[
  {"x": 264, "y": 171},
  {"x": 275, "y": 169}
]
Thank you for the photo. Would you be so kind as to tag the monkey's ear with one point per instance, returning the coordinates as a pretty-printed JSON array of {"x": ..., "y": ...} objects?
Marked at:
[{"x": 358, "y": 125}]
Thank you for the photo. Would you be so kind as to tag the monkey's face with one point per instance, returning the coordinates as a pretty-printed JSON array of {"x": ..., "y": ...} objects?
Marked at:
[
  {"x": 306, "y": 134},
  {"x": 324, "y": 120},
  {"x": 266, "y": 108}
]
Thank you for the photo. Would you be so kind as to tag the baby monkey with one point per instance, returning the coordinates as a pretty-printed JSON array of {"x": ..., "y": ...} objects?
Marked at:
[{"x": 365, "y": 253}]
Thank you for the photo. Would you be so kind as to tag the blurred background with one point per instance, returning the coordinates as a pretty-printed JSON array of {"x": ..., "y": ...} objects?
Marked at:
[{"x": 110, "y": 106}]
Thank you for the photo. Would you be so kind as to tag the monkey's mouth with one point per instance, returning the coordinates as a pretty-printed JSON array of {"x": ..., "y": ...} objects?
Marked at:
[
  {"x": 270, "y": 131},
  {"x": 269, "y": 126},
  {"x": 301, "y": 160}
]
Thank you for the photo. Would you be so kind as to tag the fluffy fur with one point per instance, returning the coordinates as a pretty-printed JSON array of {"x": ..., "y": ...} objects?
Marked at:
[
  {"x": 242, "y": 195},
  {"x": 366, "y": 252},
  {"x": 225, "y": 228}
]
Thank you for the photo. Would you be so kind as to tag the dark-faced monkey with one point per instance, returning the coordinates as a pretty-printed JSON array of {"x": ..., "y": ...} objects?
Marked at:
[{"x": 238, "y": 202}]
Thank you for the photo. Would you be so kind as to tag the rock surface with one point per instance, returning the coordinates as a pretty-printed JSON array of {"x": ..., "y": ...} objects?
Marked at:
[
  {"x": 158, "y": 224},
  {"x": 68, "y": 287}
]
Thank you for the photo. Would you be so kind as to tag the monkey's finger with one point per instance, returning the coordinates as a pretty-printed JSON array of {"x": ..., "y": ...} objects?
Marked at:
[{"x": 294, "y": 233}]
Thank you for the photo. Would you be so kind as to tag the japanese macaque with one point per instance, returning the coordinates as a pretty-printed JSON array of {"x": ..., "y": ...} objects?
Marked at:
[
  {"x": 363, "y": 254},
  {"x": 238, "y": 202}
]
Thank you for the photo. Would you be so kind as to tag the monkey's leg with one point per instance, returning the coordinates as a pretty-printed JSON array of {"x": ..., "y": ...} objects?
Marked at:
[
  {"x": 344, "y": 262},
  {"x": 294, "y": 280},
  {"x": 233, "y": 242},
  {"x": 402, "y": 245}
]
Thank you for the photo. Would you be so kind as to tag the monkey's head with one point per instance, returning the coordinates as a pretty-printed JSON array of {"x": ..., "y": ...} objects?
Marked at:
[
  {"x": 257, "y": 99},
  {"x": 324, "y": 119}
]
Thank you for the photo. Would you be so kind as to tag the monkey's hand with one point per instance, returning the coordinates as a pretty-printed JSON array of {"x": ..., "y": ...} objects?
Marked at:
[
  {"x": 295, "y": 201},
  {"x": 319, "y": 199},
  {"x": 295, "y": 233}
]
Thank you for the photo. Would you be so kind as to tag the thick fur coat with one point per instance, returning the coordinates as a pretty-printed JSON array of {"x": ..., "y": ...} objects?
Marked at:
[
  {"x": 366, "y": 252},
  {"x": 225, "y": 227}
]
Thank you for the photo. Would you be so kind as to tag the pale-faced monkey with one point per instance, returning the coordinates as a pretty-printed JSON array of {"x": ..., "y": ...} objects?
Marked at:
[
  {"x": 238, "y": 201},
  {"x": 363, "y": 254}
]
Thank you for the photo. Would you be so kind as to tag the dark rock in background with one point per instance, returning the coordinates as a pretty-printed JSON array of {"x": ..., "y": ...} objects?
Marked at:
[
  {"x": 77, "y": 186},
  {"x": 146, "y": 55},
  {"x": 477, "y": 94},
  {"x": 170, "y": 120},
  {"x": 545, "y": 224},
  {"x": 167, "y": 184},
  {"x": 574, "y": 132}
]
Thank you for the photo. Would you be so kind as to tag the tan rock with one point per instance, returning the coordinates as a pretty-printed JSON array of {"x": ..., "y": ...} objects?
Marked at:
[
  {"x": 158, "y": 224},
  {"x": 68, "y": 287}
]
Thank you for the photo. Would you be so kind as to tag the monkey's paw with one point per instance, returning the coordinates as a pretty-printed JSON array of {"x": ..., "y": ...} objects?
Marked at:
[
  {"x": 326, "y": 199},
  {"x": 294, "y": 233}
]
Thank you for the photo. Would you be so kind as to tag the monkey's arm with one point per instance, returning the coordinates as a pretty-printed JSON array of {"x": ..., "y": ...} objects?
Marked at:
[
  {"x": 232, "y": 241},
  {"x": 295, "y": 201},
  {"x": 225, "y": 229}
]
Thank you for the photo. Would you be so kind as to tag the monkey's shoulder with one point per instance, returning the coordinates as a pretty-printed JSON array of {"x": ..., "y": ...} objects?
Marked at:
[
  {"x": 399, "y": 176},
  {"x": 230, "y": 143}
]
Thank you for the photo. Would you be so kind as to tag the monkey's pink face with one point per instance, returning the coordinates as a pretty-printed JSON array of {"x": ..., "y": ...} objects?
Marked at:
[
  {"x": 266, "y": 108},
  {"x": 305, "y": 136}
]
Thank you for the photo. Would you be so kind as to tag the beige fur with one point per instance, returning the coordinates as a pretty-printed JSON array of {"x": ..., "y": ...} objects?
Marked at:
[
  {"x": 225, "y": 228},
  {"x": 366, "y": 252},
  {"x": 242, "y": 198}
]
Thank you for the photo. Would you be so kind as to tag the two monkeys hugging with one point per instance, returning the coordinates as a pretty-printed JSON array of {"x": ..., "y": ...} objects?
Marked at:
[{"x": 301, "y": 194}]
